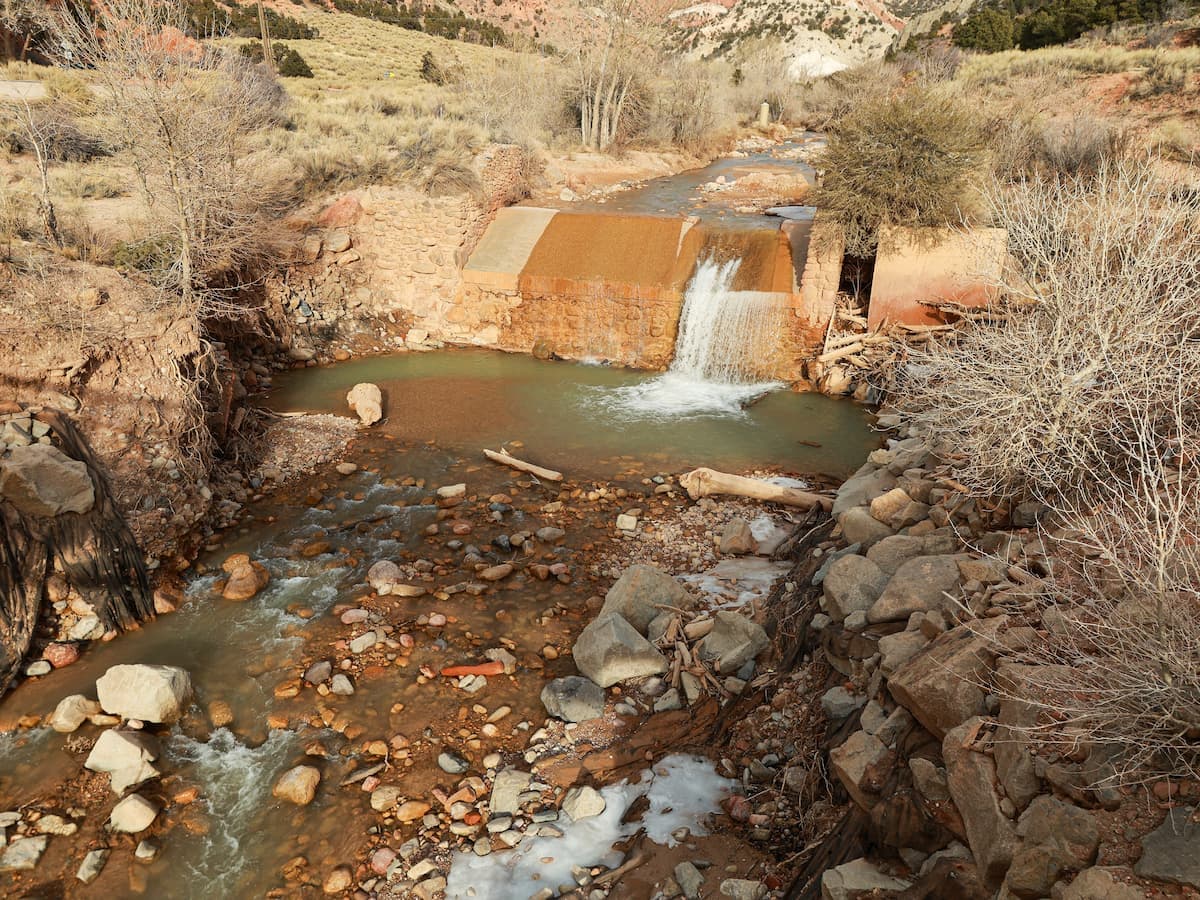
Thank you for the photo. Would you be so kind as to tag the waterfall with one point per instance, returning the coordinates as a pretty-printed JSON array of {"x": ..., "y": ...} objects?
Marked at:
[
  {"x": 725, "y": 337},
  {"x": 723, "y": 333}
]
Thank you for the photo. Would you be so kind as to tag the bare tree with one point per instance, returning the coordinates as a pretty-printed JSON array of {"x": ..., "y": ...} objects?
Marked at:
[
  {"x": 186, "y": 114},
  {"x": 609, "y": 60},
  {"x": 39, "y": 131},
  {"x": 21, "y": 23}
]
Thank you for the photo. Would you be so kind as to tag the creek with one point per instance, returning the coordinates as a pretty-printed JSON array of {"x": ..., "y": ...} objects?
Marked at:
[{"x": 317, "y": 537}]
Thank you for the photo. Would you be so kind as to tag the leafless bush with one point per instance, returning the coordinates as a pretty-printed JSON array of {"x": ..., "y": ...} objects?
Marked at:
[
  {"x": 1105, "y": 329},
  {"x": 1118, "y": 664},
  {"x": 185, "y": 114}
]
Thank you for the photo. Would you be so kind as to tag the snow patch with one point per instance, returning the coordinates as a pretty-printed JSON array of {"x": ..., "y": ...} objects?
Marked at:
[{"x": 682, "y": 791}]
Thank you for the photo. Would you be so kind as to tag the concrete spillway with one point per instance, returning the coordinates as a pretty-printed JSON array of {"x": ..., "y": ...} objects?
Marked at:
[{"x": 613, "y": 286}]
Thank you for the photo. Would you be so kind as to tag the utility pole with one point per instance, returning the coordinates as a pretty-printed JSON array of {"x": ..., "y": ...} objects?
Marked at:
[{"x": 268, "y": 53}]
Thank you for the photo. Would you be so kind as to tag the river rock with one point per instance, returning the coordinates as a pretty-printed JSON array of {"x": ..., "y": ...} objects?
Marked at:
[
  {"x": 341, "y": 685},
  {"x": 384, "y": 798},
  {"x": 507, "y": 790},
  {"x": 971, "y": 778},
  {"x": 583, "y": 803},
  {"x": 1169, "y": 851},
  {"x": 246, "y": 577},
  {"x": 366, "y": 401},
  {"x": 940, "y": 684},
  {"x": 743, "y": 889},
  {"x": 859, "y": 527},
  {"x": 1099, "y": 882},
  {"x": 610, "y": 650},
  {"x": 892, "y": 552},
  {"x": 338, "y": 881},
  {"x": 23, "y": 853},
  {"x": 857, "y": 490},
  {"x": 573, "y": 699},
  {"x": 452, "y": 763},
  {"x": 382, "y": 575},
  {"x": 150, "y": 693},
  {"x": 840, "y": 704},
  {"x": 919, "y": 585},
  {"x": 72, "y": 712},
  {"x": 126, "y": 756},
  {"x": 319, "y": 672},
  {"x": 133, "y": 814},
  {"x": 689, "y": 879},
  {"x": 298, "y": 785},
  {"x": 60, "y": 655},
  {"x": 40, "y": 480},
  {"x": 733, "y": 641},
  {"x": 852, "y": 584},
  {"x": 640, "y": 591},
  {"x": 862, "y": 764},
  {"x": 91, "y": 867},
  {"x": 857, "y": 878},
  {"x": 737, "y": 538}
]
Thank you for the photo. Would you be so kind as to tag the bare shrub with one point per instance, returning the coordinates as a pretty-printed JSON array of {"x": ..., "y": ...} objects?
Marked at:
[
  {"x": 1164, "y": 75},
  {"x": 910, "y": 159},
  {"x": 1118, "y": 666},
  {"x": 186, "y": 114},
  {"x": 1105, "y": 327}
]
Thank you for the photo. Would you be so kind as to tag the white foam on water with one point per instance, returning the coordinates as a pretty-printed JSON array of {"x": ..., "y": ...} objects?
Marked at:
[
  {"x": 682, "y": 791},
  {"x": 235, "y": 785}
]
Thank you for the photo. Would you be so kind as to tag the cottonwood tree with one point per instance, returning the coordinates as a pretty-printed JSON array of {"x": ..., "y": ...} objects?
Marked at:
[
  {"x": 185, "y": 113},
  {"x": 609, "y": 60}
]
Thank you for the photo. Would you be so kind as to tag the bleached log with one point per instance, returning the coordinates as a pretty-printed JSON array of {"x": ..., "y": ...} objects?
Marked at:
[
  {"x": 705, "y": 482},
  {"x": 505, "y": 459}
]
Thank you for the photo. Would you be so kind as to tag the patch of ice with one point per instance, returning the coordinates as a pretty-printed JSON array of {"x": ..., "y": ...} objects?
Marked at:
[
  {"x": 682, "y": 791},
  {"x": 732, "y": 583}
]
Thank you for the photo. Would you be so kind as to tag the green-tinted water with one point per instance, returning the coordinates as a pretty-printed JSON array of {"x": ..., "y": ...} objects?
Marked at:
[{"x": 581, "y": 419}]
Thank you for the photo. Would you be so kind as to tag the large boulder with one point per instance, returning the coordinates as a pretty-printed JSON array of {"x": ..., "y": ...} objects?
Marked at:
[
  {"x": 641, "y": 591},
  {"x": 246, "y": 577},
  {"x": 71, "y": 712},
  {"x": 940, "y": 685},
  {"x": 733, "y": 641},
  {"x": 857, "y": 878},
  {"x": 298, "y": 785},
  {"x": 863, "y": 765},
  {"x": 1169, "y": 851},
  {"x": 611, "y": 650},
  {"x": 919, "y": 585},
  {"x": 573, "y": 699},
  {"x": 971, "y": 777},
  {"x": 366, "y": 401},
  {"x": 40, "y": 480},
  {"x": 1058, "y": 838},
  {"x": 852, "y": 584},
  {"x": 860, "y": 527},
  {"x": 861, "y": 487},
  {"x": 737, "y": 538},
  {"x": 126, "y": 756},
  {"x": 150, "y": 693},
  {"x": 133, "y": 814}
]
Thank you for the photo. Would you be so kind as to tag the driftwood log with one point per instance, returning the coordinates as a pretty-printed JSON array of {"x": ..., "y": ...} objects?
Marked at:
[
  {"x": 506, "y": 459},
  {"x": 706, "y": 482}
]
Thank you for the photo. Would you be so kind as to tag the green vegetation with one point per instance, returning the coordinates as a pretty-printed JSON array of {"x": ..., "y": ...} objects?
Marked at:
[
  {"x": 208, "y": 17},
  {"x": 452, "y": 25},
  {"x": 907, "y": 159},
  {"x": 288, "y": 62},
  {"x": 989, "y": 31}
]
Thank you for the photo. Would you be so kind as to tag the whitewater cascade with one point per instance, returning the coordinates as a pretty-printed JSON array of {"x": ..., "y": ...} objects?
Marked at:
[
  {"x": 723, "y": 333},
  {"x": 724, "y": 338}
]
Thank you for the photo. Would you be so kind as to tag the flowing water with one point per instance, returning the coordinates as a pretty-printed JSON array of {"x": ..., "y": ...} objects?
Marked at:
[
  {"x": 716, "y": 370},
  {"x": 592, "y": 422}
]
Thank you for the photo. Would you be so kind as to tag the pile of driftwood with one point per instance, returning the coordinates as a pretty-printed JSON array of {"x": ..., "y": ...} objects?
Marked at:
[
  {"x": 856, "y": 359},
  {"x": 690, "y": 673}
]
